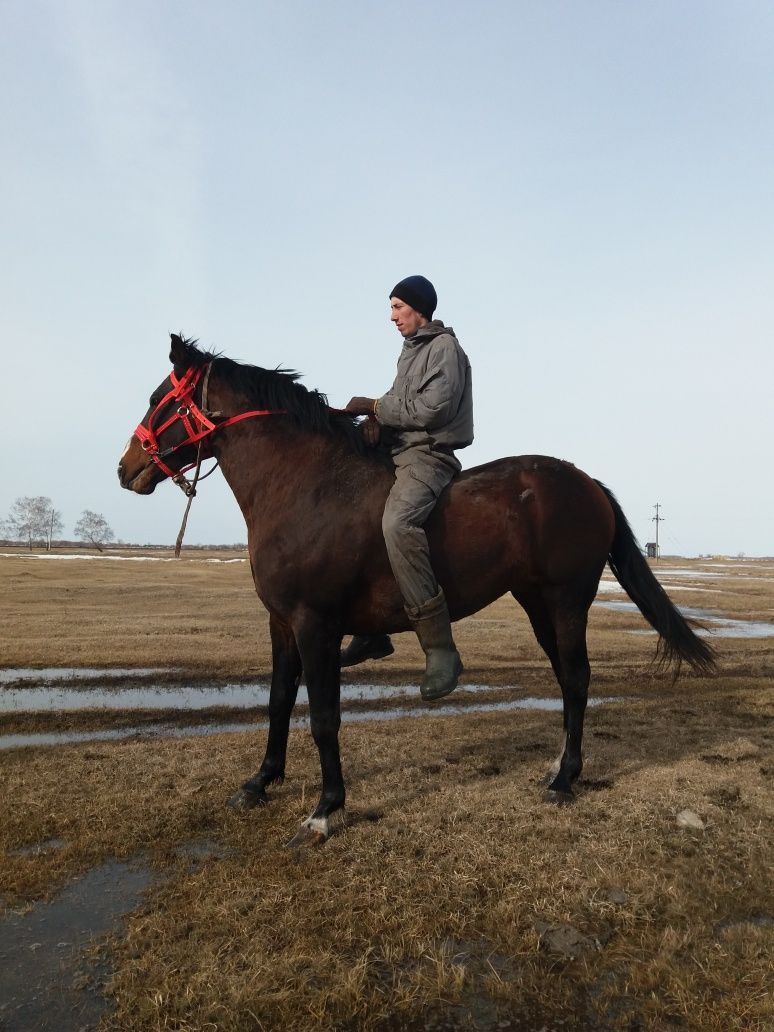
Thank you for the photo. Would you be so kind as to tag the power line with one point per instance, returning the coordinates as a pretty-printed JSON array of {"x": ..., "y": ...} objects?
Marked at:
[{"x": 657, "y": 519}]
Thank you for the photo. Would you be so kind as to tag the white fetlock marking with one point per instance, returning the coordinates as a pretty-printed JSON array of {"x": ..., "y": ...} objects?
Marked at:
[
  {"x": 553, "y": 770},
  {"x": 318, "y": 824}
]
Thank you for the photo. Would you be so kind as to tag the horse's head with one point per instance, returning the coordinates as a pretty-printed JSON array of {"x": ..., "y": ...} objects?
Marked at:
[
  {"x": 177, "y": 424},
  {"x": 165, "y": 443}
]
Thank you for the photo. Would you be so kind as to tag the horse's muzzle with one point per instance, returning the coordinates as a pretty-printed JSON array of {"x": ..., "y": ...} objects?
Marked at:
[{"x": 141, "y": 481}]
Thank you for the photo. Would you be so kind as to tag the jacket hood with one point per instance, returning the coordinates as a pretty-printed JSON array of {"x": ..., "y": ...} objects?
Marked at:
[{"x": 425, "y": 333}]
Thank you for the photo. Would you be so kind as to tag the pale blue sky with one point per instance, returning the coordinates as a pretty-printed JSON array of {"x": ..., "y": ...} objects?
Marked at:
[{"x": 588, "y": 185}]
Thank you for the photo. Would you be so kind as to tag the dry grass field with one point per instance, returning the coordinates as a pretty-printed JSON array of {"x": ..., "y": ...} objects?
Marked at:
[{"x": 452, "y": 896}]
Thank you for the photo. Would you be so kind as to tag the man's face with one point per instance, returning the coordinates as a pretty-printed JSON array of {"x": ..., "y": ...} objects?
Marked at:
[{"x": 407, "y": 319}]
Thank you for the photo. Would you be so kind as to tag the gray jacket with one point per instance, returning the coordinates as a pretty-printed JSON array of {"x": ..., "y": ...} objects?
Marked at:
[{"x": 431, "y": 401}]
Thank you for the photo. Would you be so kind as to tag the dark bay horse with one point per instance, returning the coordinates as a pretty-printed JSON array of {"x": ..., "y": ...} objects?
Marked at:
[{"x": 312, "y": 495}]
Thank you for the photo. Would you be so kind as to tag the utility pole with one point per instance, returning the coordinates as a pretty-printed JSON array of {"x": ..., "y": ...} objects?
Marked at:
[{"x": 657, "y": 519}]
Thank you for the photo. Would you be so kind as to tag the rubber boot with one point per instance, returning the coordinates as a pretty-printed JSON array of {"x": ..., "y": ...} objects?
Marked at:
[
  {"x": 366, "y": 646},
  {"x": 443, "y": 665}
]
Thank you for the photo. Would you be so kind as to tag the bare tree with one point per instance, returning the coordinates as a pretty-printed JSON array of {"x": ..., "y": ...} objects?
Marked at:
[
  {"x": 92, "y": 527},
  {"x": 55, "y": 525},
  {"x": 33, "y": 519}
]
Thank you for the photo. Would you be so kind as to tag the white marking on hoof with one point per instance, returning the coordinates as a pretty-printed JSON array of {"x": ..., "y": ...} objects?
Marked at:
[{"x": 318, "y": 824}]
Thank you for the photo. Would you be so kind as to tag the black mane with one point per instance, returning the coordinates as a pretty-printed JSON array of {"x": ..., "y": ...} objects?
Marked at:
[{"x": 279, "y": 389}]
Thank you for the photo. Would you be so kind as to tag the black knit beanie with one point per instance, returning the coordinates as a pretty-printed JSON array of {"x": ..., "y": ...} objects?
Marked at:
[{"x": 417, "y": 292}]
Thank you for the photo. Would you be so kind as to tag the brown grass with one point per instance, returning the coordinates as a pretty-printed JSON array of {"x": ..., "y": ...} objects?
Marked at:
[{"x": 434, "y": 905}]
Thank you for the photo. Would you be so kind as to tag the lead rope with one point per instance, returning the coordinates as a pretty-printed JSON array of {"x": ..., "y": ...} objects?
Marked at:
[
  {"x": 190, "y": 490},
  {"x": 185, "y": 485}
]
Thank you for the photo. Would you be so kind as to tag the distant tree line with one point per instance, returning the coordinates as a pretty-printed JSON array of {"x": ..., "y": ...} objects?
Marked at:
[{"x": 35, "y": 521}]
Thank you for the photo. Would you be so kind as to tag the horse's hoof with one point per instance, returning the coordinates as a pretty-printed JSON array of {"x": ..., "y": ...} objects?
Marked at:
[
  {"x": 557, "y": 797},
  {"x": 307, "y": 838},
  {"x": 243, "y": 799}
]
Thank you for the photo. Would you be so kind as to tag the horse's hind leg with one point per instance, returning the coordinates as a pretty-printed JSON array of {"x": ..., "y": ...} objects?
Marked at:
[
  {"x": 559, "y": 621},
  {"x": 285, "y": 677},
  {"x": 543, "y": 626},
  {"x": 574, "y": 676}
]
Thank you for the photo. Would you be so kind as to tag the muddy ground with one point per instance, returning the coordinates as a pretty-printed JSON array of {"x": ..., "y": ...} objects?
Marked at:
[{"x": 452, "y": 896}]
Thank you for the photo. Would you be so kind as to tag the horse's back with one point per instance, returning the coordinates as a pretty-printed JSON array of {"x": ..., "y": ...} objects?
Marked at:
[
  {"x": 528, "y": 516},
  {"x": 516, "y": 524}
]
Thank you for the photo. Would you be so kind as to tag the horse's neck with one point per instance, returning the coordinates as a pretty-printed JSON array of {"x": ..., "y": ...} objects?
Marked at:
[{"x": 266, "y": 468}]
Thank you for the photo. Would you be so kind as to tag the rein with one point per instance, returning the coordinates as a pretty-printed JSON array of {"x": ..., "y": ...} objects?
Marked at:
[{"x": 198, "y": 425}]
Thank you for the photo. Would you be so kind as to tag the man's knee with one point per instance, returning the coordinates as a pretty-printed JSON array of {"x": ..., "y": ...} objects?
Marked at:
[{"x": 396, "y": 525}]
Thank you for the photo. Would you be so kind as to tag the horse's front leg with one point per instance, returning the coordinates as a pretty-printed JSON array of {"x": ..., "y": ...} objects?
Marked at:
[
  {"x": 320, "y": 643},
  {"x": 285, "y": 676}
]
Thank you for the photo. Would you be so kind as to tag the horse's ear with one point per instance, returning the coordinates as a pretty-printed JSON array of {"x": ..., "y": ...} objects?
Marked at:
[{"x": 177, "y": 355}]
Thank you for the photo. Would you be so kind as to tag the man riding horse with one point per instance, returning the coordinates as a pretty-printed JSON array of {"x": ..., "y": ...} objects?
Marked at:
[
  {"x": 430, "y": 410},
  {"x": 531, "y": 526}
]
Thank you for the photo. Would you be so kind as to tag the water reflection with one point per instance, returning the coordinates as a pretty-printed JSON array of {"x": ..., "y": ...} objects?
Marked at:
[
  {"x": 721, "y": 626},
  {"x": 201, "y": 730},
  {"x": 44, "y": 981},
  {"x": 42, "y": 699}
]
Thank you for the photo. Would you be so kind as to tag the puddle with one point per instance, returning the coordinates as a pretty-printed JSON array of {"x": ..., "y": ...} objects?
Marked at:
[
  {"x": 45, "y": 982},
  {"x": 49, "y": 675},
  {"x": 608, "y": 587},
  {"x": 204, "y": 730},
  {"x": 722, "y": 626},
  {"x": 724, "y": 570},
  {"x": 42, "y": 699}
]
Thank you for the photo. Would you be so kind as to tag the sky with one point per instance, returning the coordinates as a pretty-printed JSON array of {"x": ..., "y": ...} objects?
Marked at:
[{"x": 588, "y": 185}]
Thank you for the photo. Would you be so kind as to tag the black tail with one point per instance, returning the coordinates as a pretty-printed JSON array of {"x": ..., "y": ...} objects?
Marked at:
[{"x": 677, "y": 640}]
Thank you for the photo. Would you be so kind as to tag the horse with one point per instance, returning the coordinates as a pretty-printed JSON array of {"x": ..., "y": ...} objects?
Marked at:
[{"x": 312, "y": 494}]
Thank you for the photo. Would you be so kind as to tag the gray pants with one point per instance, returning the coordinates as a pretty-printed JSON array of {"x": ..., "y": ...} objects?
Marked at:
[{"x": 410, "y": 502}]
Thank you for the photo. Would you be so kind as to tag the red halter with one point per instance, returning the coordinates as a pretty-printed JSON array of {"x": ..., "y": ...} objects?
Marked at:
[{"x": 196, "y": 422}]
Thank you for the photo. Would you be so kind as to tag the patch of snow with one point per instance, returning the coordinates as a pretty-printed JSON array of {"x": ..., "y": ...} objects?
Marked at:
[
  {"x": 113, "y": 558},
  {"x": 606, "y": 586},
  {"x": 47, "y": 675}
]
